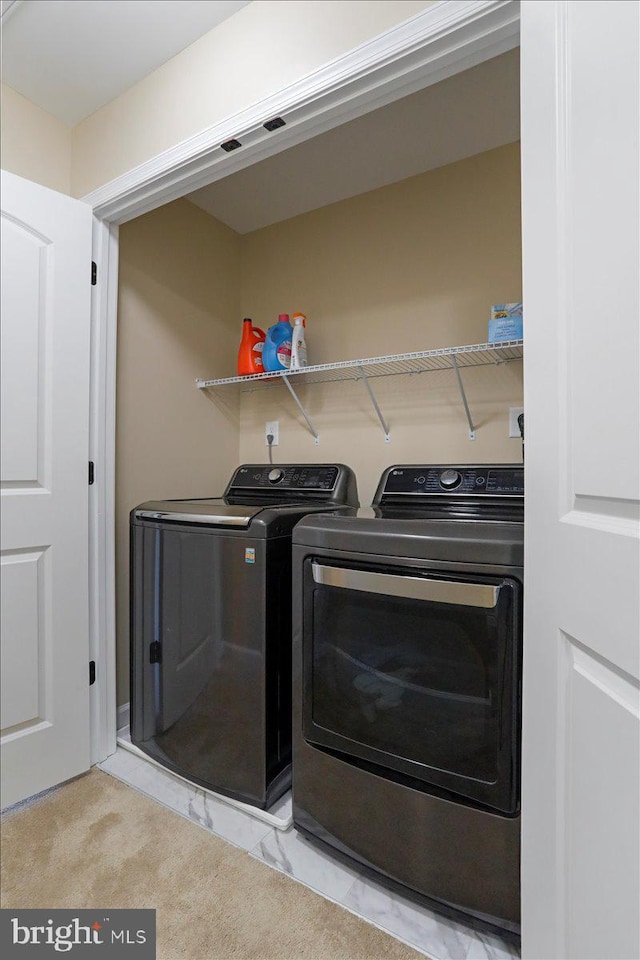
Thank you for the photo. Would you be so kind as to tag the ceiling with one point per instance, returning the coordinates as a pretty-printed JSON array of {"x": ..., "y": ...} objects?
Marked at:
[
  {"x": 466, "y": 114},
  {"x": 71, "y": 57}
]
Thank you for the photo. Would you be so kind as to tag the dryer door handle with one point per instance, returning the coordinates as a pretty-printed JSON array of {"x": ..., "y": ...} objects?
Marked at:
[{"x": 458, "y": 592}]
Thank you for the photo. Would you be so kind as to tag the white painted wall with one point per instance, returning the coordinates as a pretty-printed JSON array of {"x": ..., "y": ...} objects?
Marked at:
[{"x": 35, "y": 145}]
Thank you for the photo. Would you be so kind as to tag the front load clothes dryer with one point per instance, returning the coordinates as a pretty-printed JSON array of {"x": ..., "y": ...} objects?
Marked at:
[
  {"x": 407, "y": 636},
  {"x": 211, "y": 626}
]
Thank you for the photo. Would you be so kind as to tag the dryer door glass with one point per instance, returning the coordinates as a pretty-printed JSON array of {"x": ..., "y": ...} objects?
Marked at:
[{"x": 417, "y": 672}]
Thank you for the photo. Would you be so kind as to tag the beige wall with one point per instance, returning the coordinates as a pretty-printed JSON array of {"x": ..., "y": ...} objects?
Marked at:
[
  {"x": 266, "y": 46},
  {"x": 177, "y": 320},
  {"x": 34, "y": 144},
  {"x": 412, "y": 266}
]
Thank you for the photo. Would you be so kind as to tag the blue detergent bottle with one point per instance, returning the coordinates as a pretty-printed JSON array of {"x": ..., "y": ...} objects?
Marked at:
[{"x": 276, "y": 354}]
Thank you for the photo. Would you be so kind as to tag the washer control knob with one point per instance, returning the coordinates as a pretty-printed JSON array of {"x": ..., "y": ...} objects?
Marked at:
[
  {"x": 275, "y": 476},
  {"x": 450, "y": 479}
]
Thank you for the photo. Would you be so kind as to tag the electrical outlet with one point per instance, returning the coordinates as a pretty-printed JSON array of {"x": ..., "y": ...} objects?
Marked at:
[
  {"x": 273, "y": 427},
  {"x": 514, "y": 413}
]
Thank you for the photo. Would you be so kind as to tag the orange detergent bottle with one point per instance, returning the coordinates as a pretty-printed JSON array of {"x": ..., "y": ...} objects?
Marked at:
[{"x": 250, "y": 352}]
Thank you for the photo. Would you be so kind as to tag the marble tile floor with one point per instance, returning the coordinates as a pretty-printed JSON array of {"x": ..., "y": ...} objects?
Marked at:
[
  {"x": 279, "y": 815},
  {"x": 288, "y": 851}
]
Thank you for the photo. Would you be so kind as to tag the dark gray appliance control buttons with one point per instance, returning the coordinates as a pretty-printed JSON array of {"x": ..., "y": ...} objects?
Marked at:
[
  {"x": 275, "y": 476},
  {"x": 450, "y": 479}
]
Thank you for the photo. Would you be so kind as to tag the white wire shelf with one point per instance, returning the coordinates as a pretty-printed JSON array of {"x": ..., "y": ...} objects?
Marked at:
[{"x": 425, "y": 361}]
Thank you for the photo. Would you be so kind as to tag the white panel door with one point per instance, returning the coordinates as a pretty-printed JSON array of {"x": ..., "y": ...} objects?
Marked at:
[
  {"x": 580, "y": 790},
  {"x": 45, "y": 326}
]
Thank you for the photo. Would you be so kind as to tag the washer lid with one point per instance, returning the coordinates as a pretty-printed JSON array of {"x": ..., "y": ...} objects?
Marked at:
[{"x": 213, "y": 512}]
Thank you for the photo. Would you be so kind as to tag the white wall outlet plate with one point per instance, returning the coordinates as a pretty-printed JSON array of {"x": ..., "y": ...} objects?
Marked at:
[
  {"x": 514, "y": 413},
  {"x": 272, "y": 427}
]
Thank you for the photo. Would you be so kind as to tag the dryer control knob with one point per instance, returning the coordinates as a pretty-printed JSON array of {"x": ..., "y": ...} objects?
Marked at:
[
  {"x": 275, "y": 476},
  {"x": 450, "y": 479}
]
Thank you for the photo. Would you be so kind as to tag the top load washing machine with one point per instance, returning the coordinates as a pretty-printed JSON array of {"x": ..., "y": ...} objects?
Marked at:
[
  {"x": 407, "y": 638},
  {"x": 211, "y": 626}
]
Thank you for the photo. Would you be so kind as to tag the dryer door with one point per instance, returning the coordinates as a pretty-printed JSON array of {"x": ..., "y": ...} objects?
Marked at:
[{"x": 417, "y": 672}]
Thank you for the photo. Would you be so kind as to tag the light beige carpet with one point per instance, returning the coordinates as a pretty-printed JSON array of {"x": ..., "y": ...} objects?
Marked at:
[{"x": 94, "y": 842}]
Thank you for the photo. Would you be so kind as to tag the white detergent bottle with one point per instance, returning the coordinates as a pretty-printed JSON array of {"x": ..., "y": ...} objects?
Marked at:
[{"x": 298, "y": 343}]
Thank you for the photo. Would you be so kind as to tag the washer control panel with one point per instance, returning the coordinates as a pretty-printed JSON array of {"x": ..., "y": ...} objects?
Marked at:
[
  {"x": 499, "y": 480},
  {"x": 287, "y": 477}
]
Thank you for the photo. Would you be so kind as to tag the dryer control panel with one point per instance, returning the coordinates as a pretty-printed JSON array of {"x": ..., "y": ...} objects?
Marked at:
[{"x": 499, "y": 480}]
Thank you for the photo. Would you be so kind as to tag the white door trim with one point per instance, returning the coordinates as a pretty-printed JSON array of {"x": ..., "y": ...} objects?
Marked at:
[
  {"x": 445, "y": 39},
  {"x": 102, "y": 450}
]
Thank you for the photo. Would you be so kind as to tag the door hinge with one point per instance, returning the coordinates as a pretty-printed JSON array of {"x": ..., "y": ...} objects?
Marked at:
[
  {"x": 155, "y": 652},
  {"x": 92, "y": 672},
  {"x": 94, "y": 273},
  {"x": 91, "y": 472}
]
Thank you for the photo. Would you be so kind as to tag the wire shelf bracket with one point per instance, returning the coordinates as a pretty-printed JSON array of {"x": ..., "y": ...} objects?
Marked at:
[
  {"x": 314, "y": 432},
  {"x": 472, "y": 429},
  {"x": 372, "y": 397}
]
